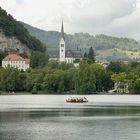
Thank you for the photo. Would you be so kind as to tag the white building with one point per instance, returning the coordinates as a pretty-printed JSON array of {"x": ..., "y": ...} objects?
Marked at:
[
  {"x": 16, "y": 61},
  {"x": 64, "y": 55}
]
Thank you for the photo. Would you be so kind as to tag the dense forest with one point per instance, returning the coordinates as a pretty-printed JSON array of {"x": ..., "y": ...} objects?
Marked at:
[
  {"x": 10, "y": 27},
  {"x": 106, "y": 47}
]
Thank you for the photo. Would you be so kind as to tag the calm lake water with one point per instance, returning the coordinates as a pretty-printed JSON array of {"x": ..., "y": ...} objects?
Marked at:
[{"x": 49, "y": 117}]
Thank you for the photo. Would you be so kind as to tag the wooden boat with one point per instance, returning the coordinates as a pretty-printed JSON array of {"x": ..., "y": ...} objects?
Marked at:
[{"x": 77, "y": 100}]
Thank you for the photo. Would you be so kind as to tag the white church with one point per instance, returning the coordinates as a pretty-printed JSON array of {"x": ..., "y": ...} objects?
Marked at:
[{"x": 63, "y": 54}]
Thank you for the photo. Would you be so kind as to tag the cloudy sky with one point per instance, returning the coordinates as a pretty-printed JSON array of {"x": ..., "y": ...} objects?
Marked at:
[{"x": 111, "y": 17}]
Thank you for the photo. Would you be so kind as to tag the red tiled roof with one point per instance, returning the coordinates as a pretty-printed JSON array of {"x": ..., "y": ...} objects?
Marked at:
[
  {"x": 27, "y": 61},
  {"x": 15, "y": 57}
]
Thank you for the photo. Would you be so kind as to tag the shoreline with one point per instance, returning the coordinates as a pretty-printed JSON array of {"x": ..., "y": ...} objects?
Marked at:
[{"x": 69, "y": 93}]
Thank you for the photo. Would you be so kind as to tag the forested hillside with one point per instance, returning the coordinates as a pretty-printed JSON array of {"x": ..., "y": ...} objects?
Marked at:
[
  {"x": 106, "y": 47},
  {"x": 10, "y": 27}
]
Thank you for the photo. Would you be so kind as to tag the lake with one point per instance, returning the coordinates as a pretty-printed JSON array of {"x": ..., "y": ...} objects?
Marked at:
[{"x": 49, "y": 117}]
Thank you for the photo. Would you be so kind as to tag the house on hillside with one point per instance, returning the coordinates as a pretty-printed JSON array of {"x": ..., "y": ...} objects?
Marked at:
[
  {"x": 62, "y": 54},
  {"x": 16, "y": 61}
]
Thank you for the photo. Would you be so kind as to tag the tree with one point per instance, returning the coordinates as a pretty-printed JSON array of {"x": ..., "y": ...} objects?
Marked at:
[
  {"x": 38, "y": 59},
  {"x": 107, "y": 83},
  {"x": 85, "y": 80},
  {"x": 117, "y": 67},
  {"x": 2, "y": 55},
  {"x": 85, "y": 55},
  {"x": 91, "y": 55},
  {"x": 52, "y": 64},
  {"x": 65, "y": 66},
  {"x": 59, "y": 81},
  {"x": 134, "y": 81},
  {"x": 120, "y": 77},
  {"x": 135, "y": 68},
  {"x": 34, "y": 91},
  {"x": 21, "y": 82},
  {"x": 29, "y": 82},
  {"x": 135, "y": 86},
  {"x": 121, "y": 82},
  {"x": 10, "y": 79},
  {"x": 38, "y": 79},
  {"x": 102, "y": 78}
]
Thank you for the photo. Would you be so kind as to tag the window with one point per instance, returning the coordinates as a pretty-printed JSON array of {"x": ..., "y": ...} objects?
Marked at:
[
  {"x": 62, "y": 50},
  {"x": 62, "y": 45}
]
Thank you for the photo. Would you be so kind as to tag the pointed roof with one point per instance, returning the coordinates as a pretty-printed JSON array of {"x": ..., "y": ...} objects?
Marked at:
[{"x": 62, "y": 31}]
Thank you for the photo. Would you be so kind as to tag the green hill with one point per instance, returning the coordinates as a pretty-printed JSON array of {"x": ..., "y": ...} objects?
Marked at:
[
  {"x": 106, "y": 47},
  {"x": 12, "y": 28}
]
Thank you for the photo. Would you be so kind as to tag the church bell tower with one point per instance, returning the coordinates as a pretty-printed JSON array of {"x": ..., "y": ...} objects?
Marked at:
[{"x": 62, "y": 46}]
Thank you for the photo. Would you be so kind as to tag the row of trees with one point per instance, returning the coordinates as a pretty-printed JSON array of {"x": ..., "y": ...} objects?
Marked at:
[
  {"x": 56, "y": 77},
  {"x": 126, "y": 76},
  {"x": 60, "y": 78}
]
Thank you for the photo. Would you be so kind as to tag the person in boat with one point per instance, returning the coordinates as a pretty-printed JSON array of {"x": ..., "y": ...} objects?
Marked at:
[{"x": 77, "y": 99}]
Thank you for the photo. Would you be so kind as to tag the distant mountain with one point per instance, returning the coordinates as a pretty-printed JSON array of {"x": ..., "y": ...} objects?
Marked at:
[
  {"x": 106, "y": 47},
  {"x": 14, "y": 37}
]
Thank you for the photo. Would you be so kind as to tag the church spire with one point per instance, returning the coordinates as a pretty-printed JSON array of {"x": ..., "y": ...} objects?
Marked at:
[{"x": 62, "y": 31}]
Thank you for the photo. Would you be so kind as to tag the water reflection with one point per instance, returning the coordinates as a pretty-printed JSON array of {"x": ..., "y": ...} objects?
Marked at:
[
  {"x": 87, "y": 124},
  {"x": 74, "y": 112},
  {"x": 27, "y": 118}
]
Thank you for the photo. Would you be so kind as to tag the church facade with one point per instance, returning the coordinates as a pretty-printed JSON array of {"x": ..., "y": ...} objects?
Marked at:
[{"x": 63, "y": 54}]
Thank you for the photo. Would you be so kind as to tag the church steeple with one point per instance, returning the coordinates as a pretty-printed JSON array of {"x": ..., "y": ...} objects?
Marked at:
[
  {"x": 62, "y": 46},
  {"x": 62, "y": 31}
]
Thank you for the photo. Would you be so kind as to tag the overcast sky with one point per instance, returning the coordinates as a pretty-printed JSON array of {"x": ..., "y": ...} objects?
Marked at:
[{"x": 111, "y": 17}]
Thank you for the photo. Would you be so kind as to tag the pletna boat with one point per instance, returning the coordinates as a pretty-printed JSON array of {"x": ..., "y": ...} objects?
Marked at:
[{"x": 77, "y": 100}]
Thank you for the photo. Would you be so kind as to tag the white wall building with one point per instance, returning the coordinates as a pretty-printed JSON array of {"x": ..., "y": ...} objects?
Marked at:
[
  {"x": 64, "y": 55},
  {"x": 16, "y": 61}
]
